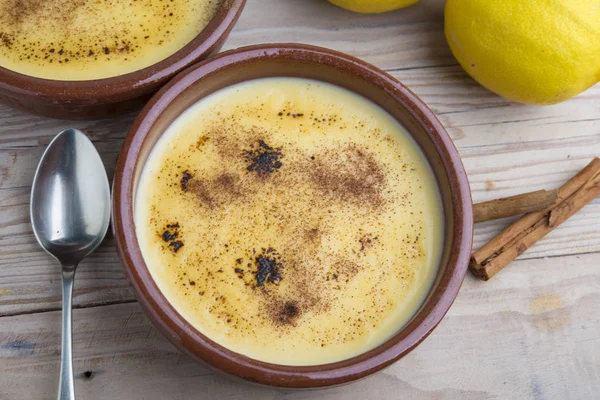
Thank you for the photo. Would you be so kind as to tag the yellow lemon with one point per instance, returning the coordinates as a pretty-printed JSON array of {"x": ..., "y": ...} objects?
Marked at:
[
  {"x": 373, "y": 6},
  {"x": 530, "y": 51}
]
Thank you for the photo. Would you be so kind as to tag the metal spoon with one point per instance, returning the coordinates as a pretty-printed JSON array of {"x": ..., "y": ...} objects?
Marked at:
[{"x": 70, "y": 212}]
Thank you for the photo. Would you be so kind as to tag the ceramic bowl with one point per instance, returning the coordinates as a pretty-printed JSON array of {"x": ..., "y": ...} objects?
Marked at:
[
  {"x": 294, "y": 60},
  {"x": 115, "y": 95}
]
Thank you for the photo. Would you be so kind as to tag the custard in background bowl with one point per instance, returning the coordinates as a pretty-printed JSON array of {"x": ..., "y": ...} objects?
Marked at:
[
  {"x": 291, "y": 215},
  {"x": 78, "y": 59}
]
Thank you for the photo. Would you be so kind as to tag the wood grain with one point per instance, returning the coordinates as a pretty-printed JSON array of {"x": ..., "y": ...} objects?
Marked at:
[
  {"x": 532, "y": 332},
  {"x": 527, "y": 334}
]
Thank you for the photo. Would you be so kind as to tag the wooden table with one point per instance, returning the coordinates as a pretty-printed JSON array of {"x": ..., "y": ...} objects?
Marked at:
[{"x": 533, "y": 331}]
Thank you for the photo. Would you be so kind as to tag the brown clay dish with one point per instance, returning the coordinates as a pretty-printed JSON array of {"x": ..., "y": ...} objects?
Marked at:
[
  {"x": 315, "y": 63},
  {"x": 103, "y": 97}
]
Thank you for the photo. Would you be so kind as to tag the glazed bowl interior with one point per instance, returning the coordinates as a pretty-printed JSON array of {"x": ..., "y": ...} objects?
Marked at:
[{"x": 324, "y": 65}]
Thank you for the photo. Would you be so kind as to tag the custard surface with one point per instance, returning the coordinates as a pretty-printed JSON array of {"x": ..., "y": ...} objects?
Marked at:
[
  {"x": 77, "y": 40},
  {"x": 290, "y": 220}
]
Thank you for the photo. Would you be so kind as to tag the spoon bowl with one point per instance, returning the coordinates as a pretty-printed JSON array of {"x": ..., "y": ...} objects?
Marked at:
[
  {"x": 70, "y": 213},
  {"x": 70, "y": 198}
]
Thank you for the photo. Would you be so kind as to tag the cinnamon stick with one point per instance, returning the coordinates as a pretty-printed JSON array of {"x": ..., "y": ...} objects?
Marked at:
[
  {"x": 514, "y": 205},
  {"x": 522, "y": 234}
]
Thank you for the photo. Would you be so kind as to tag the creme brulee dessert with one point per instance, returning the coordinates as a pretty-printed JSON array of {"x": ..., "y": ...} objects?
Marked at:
[
  {"x": 77, "y": 40},
  {"x": 290, "y": 220}
]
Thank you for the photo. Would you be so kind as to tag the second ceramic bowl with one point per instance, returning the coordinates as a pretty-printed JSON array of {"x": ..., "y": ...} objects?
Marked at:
[
  {"x": 102, "y": 97},
  {"x": 293, "y": 60}
]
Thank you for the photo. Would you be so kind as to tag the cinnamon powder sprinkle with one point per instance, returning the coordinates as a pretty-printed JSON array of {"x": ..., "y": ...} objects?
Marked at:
[
  {"x": 350, "y": 176},
  {"x": 213, "y": 192},
  {"x": 288, "y": 313}
]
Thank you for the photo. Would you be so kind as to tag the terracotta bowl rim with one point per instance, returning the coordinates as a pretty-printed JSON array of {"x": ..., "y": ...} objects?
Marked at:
[
  {"x": 192, "y": 342},
  {"x": 132, "y": 84}
]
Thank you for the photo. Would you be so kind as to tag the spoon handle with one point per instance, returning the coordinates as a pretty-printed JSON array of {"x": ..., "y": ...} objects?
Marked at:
[{"x": 66, "y": 390}]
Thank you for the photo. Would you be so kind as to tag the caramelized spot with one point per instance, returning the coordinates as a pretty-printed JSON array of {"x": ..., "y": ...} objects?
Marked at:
[
  {"x": 169, "y": 235},
  {"x": 268, "y": 269},
  {"x": 185, "y": 178},
  {"x": 175, "y": 246},
  {"x": 263, "y": 160}
]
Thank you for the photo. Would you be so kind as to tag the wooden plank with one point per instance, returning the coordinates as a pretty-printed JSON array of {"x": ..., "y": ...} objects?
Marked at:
[
  {"x": 503, "y": 170},
  {"x": 18, "y": 164},
  {"x": 475, "y": 116},
  {"x": 408, "y": 38},
  {"x": 529, "y": 334},
  {"x": 30, "y": 279},
  {"x": 20, "y": 129}
]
